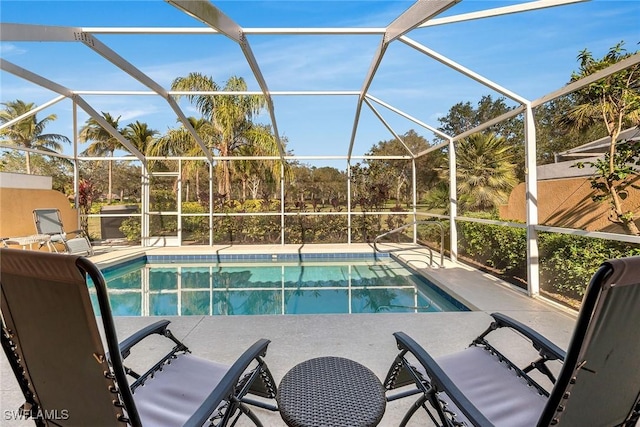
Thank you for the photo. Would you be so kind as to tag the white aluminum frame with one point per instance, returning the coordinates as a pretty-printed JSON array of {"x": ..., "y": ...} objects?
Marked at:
[{"x": 421, "y": 14}]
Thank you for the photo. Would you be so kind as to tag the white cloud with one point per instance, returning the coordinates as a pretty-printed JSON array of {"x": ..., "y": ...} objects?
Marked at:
[{"x": 10, "y": 49}]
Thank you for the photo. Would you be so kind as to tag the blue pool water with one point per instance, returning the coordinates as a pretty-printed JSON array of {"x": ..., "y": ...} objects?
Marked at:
[{"x": 178, "y": 287}]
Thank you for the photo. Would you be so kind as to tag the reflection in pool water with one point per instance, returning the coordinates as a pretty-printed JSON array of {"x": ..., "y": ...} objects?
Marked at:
[{"x": 233, "y": 288}]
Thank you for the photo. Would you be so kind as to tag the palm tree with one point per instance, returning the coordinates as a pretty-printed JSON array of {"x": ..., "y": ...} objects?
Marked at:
[
  {"x": 140, "y": 135},
  {"x": 180, "y": 142},
  {"x": 485, "y": 172},
  {"x": 230, "y": 115},
  {"x": 246, "y": 168},
  {"x": 27, "y": 133},
  {"x": 103, "y": 142},
  {"x": 260, "y": 141}
]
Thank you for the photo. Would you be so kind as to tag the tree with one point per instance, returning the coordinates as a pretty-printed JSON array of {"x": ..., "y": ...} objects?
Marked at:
[
  {"x": 399, "y": 172},
  {"x": 102, "y": 142},
  {"x": 140, "y": 135},
  {"x": 28, "y": 133},
  {"x": 87, "y": 194},
  {"x": 626, "y": 176},
  {"x": 180, "y": 142},
  {"x": 614, "y": 101},
  {"x": 58, "y": 168},
  {"x": 230, "y": 115},
  {"x": 247, "y": 169},
  {"x": 485, "y": 172},
  {"x": 332, "y": 185},
  {"x": 260, "y": 141},
  {"x": 317, "y": 185},
  {"x": 251, "y": 173},
  {"x": 552, "y": 137},
  {"x": 463, "y": 117},
  {"x": 126, "y": 179}
]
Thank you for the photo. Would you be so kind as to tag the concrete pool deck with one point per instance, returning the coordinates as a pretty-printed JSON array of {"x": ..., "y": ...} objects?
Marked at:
[{"x": 365, "y": 338}]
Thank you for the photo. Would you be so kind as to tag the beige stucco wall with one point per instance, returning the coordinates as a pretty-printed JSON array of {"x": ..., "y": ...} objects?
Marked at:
[
  {"x": 567, "y": 203},
  {"x": 17, "y": 205}
]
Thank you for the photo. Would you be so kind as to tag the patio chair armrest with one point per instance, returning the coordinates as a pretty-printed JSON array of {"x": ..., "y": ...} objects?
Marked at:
[
  {"x": 159, "y": 327},
  {"x": 441, "y": 380},
  {"x": 540, "y": 343},
  {"x": 226, "y": 386}
]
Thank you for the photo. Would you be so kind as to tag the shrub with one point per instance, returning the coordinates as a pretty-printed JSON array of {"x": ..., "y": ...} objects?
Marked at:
[
  {"x": 500, "y": 247},
  {"x": 567, "y": 262},
  {"x": 130, "y": 227}
]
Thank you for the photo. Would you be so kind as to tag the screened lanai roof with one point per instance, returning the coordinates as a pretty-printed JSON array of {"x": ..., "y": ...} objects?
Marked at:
[{"x": 338, "y": 76}]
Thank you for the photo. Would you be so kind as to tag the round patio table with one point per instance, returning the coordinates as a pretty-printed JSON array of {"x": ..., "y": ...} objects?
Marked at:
[{"x": 331, "y": 392}]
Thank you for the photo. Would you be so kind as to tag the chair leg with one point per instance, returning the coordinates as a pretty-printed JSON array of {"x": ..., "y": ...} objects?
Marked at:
[
  {"x": 249, "y": 413},
  {"x": 417, "y": 405},
  {"x": 422, "y": 403}
]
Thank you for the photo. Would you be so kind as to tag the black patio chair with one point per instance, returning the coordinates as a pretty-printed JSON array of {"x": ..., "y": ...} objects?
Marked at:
[
  {"x": 51, "y": 338},
  {"x": 598, "y": 378}
]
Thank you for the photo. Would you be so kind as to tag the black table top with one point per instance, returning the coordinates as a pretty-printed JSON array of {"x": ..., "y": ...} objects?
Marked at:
[{"x": 331, "y": 392}]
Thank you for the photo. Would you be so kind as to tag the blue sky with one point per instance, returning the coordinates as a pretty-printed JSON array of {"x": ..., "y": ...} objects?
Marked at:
[{"x": 531, "y": 54}]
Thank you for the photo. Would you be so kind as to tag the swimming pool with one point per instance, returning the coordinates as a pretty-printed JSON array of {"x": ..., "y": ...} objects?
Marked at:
[{"x": 182, "y": 286}]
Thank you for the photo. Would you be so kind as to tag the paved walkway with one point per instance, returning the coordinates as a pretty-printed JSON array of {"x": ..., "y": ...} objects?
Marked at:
[{"x": 366, "y": 338}]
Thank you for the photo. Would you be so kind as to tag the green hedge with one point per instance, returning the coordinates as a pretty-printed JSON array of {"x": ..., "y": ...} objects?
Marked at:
[
  {"x": 567, "y": 262},
  {"x": 499, "y": 247}
]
